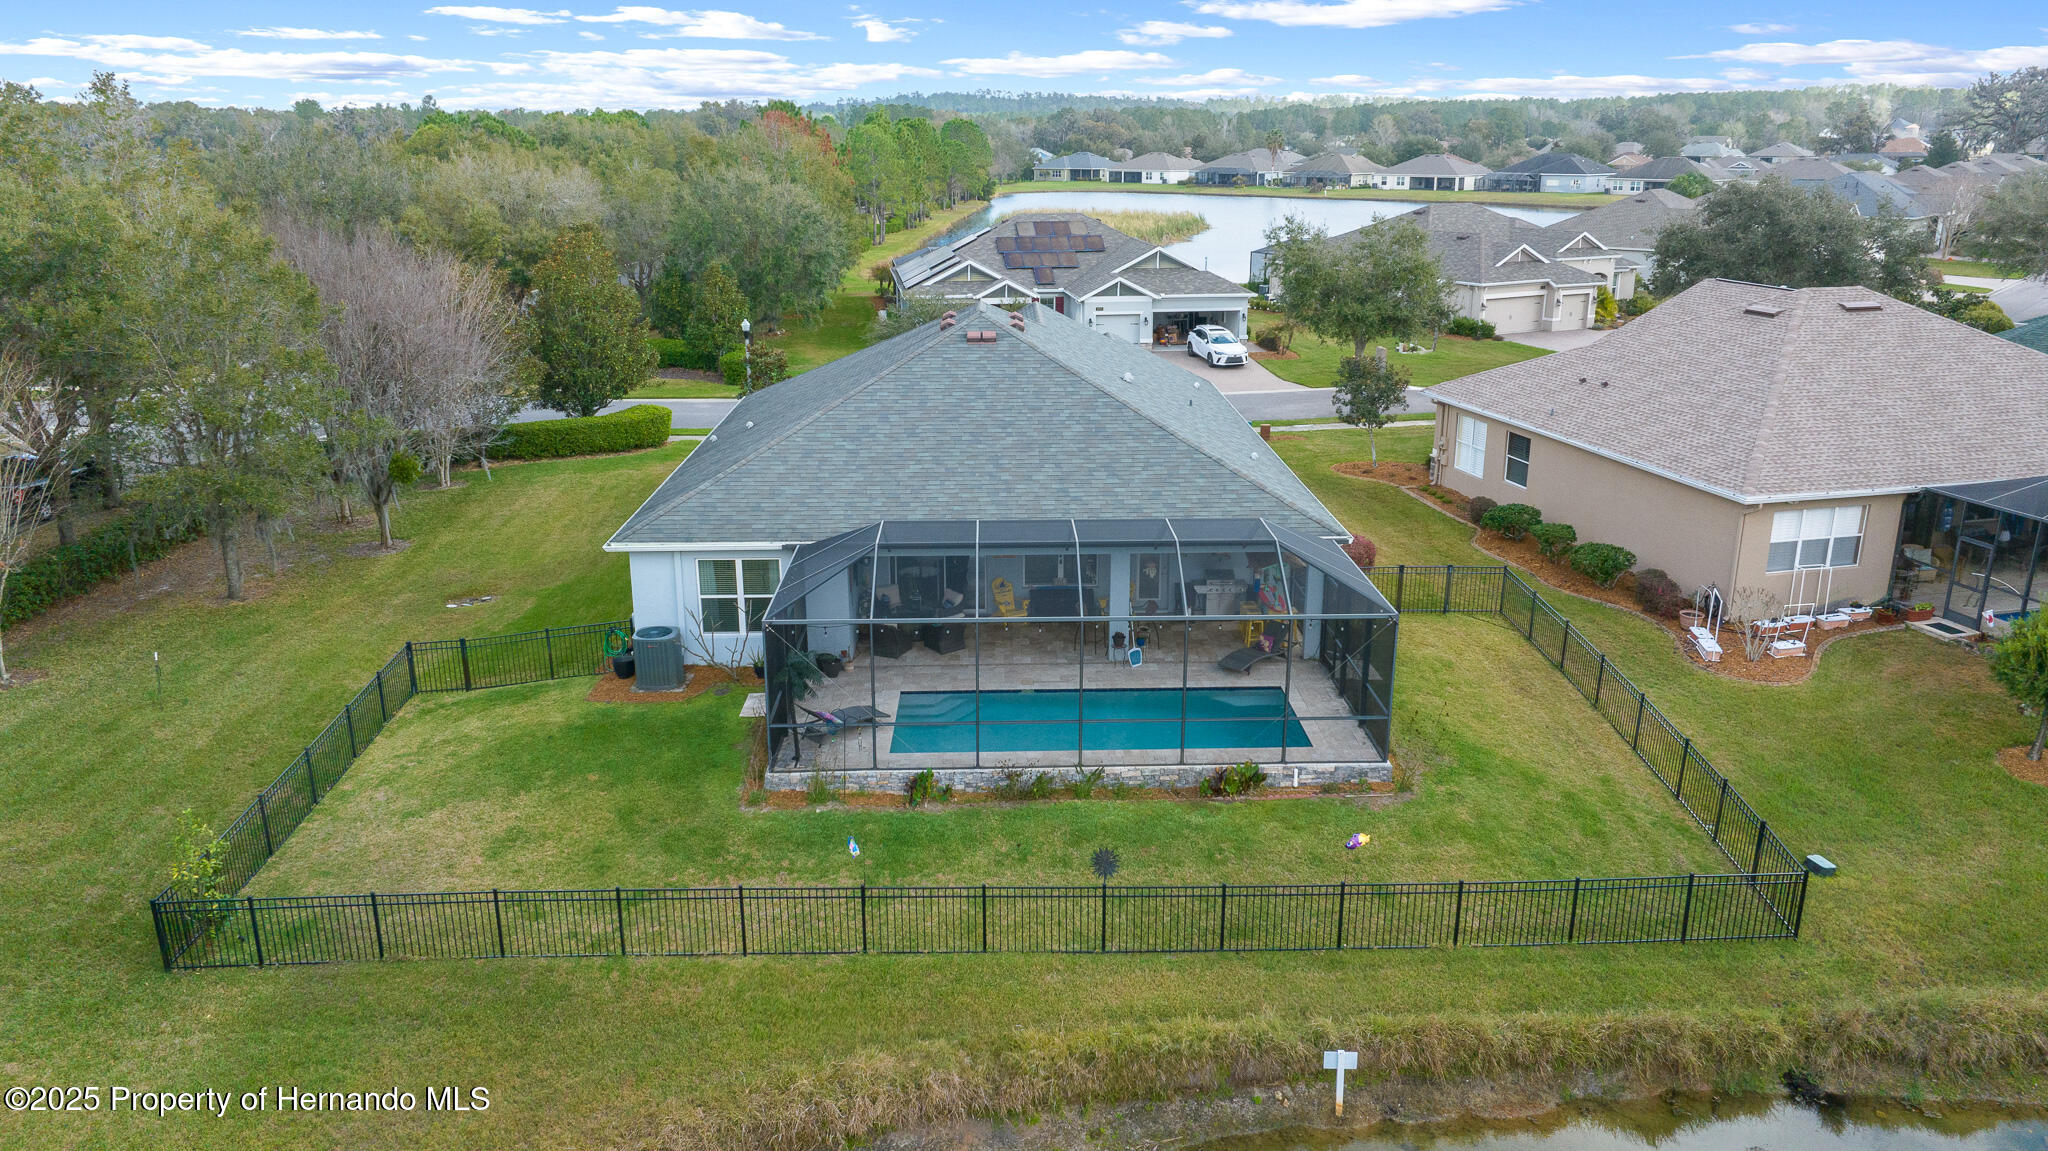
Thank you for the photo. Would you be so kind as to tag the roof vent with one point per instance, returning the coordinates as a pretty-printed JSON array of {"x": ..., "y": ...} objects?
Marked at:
[
  {"x": 1128, "y": 377},
  {"x": 750, "y": 423},
  {"x": 946, "y": 321},
  {"x": 1767, "y": 311},
  {"x": 981, "y": 336},
  {"x": 1862, "y": 305},
  {"x": 950, "y": 315}
]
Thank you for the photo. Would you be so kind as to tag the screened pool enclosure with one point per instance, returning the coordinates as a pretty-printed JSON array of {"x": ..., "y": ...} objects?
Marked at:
[{"x": 1009, "y": 644}]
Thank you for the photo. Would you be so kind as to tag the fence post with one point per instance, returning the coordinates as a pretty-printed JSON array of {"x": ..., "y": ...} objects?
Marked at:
[
  {"x": 312, "y": 785},
  {"x": 1571, "y": 926},
  {"x": 1798, "y": 913},
  {"x": 263, "y": 814},
  {"x": 548, "y": 635},
  {"x": 163, "y": 941},
  {"x": 619, "y": 902},
  {"x": 348, "y": 719},
  {"x": 498, "y": 917},
  {"x": 383, "y": 708},
  {"x": 984, "y": 917},
  {"x": 1458, "y": 913},
  {"x": 1500, "y": 605},
  {"x": 1222, "y": 912},
  {"x": 864, "y": 918},
  {"x": 1450, "y": 571},
  {"x": 1635, "y": 743},
  {"x": 1400, "y": 582},
  {"x": 255, "y": 931},
  {"x": 1685, "y": 921},
  {"x": 742, "y": 889},
  {"x": 412, "y": 673},
  {"x": 377, "y": 924},
  {"x": 1719, "y": 808},
  {"x": 1530, "y": 635},
  {"x": 1105, "y": 918},
  {"x": 1564, "y": 644},
  {"x": 1679, "y": 791},
  {"x": 464, "y": 645},
  {"x": 1340, "y": 915},
  {"x": 1599, "y": 680},
  {"x": 1763, "y": 828}
]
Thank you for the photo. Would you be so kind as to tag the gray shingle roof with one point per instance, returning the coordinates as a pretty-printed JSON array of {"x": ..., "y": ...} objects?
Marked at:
[
  {"x": 1812, "y": 402},
  {"x": 1873, "y": 191},
  {"x": 2032, "y": 334},
  {"x": 1558, "y": 163},
  {"x": 1256, "y": 160},
  {"x": 1439, "y": 164},
  {"x": 1626, "y": 224},
  {"x": 1054, "y": 422},
  {"x": 1808, "y": 170},
  {"x": 1664, "y": 168},
  {"x": 1470, "y": 240},
  {"x": 916, "y": 272},
  {"x": 1783, "y": 149},
  {"x": 1159, "y": 162},
  {"x": 1334, "y": 163}
]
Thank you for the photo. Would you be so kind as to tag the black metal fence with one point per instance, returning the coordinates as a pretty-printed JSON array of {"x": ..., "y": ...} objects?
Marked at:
[
  {"x": 1766, "y": 900},
  {"x": 420, "y": 666},
  {"x": 255, "y": 932}
]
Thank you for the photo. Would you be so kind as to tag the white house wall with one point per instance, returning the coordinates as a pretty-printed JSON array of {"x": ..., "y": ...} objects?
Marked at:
[{"x": 665, "y": 592}]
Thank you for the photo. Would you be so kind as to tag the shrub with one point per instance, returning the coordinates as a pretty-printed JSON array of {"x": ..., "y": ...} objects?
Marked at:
[
  {"x": 1478, "y": 508},
  {"x": 1639, "y": 303},
  {"x": 1084, "y": 783},
  {"x": 919, "y": 792},
  {"x": 640, "y": 426},
  {"x": 1555, "y": 539},
  {"x": 405, "y": 469},
  {"x": 1041, "y": 785},
  {"x": 1362, "y": 551},
  {"x": 819, "y": 790},
  {"x": 1657, "y": 593},
  {"x": 1511, "y": 520},
  {"x": 770, "y": 367},
  {"x": 669, "y": 353},
  {"x": 69, "y": 570},
  {"x": 1604, "y": 306},
  {"x": 1269, "y": 339},
  {"x": 1237, "y": 779},
  {"x": 1470, "y": 328},
  {"x": 1602, "y": 563}
]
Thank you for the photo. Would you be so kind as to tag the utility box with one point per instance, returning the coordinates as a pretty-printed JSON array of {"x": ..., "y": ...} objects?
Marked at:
[
  {"x": 658, "y": 655},
  {"x": 1819, "y": 865}
]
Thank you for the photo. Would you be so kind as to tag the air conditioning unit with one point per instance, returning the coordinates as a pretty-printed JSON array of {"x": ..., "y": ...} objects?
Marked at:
[{"x": 658, "y": 651}]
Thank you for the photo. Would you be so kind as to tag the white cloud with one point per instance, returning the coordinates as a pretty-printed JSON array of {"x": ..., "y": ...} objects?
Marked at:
[
  {"x": 709, "y": 24},
  {"x": 1569, "y": 86},
  {"x": 1346, "y": 80},
  {"x": 306, "y": 34},
  {"x": 1759, "y": 29},
  {"x": 590, "y": 35},
  {"x": 1343, "y": 13},
  {"x": 1170, "y": 32},
  {"x": 1906, "y": 62},
  {"x": 415, "y": 36},
  {"x": 487, "y": 30},
  {"x": 671, "y": 78},
  {"x": 1215, "y": 76},
  {"x": 880, "y": 31},
  {"x": 170, "y": 60},
  {"x": 497, "y": 15},
  {"x": 1047, "y": 67}
]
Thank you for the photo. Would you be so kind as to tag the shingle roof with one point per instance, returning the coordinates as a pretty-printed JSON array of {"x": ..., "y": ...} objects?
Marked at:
[
  {"x": 1439, "y": 164},
  {"x": 1783, "y": 149},
  {"x": 2032, "y": 334},
  {"x": 1807, "y": 170},
  {"x": 1872, "y": 191},
  {"x": 1256, "y": 160},
  {"x": 1470, "y": 241},
  {"x": 1664, "y": 168},
  {"x": 1158, "y": 162},
  {"x": 1083, "y": 160},
  {"x": 1905, "y": 146},
  {"x": 1814, "y": 401},
  {"x": 1334, "y": 163},
  {"x": 1053, "y": 422},
  {"x": 1556, "y": 164},
  {"x": 919, "y": 271},
  {"x": 1631, "y": 223}
]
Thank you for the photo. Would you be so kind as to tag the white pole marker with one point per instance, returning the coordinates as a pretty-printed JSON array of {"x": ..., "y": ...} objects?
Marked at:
[{"x": 1340, "y": 1062}]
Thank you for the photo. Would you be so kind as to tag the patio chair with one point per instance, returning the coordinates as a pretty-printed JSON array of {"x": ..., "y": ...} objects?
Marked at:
[
  {"x": 1271, "y": 645},
  {"x": 1005, "y": 596},
  {"x": 831, "y": 723}
]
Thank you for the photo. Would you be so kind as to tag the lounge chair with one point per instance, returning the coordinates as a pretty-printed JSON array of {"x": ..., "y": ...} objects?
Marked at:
[
  {"x": 1271, "y": 645},
  {"x": 831, "y": 723}
]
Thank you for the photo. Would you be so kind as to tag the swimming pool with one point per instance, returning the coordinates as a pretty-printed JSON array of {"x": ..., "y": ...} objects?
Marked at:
[{"x": 1118, "y": 719}]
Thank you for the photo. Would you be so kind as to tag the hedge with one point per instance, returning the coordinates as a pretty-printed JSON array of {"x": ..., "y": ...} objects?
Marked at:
[
  {"x": 640, "y": 426},
  {"x": 70, "y": 570},
  {"x": 669, "y": 353}
]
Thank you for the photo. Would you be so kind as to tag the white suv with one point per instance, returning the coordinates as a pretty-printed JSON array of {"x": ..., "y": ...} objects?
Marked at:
[{"x": 1216, "y": 345}]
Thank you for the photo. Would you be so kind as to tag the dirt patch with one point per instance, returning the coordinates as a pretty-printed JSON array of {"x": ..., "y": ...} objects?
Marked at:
[
  {"x": 697, "y": 680},
  {"x": 2016, "y": 764},
  {"x": 376, "y": 548},
  {"x": 22, "y": 677},
  {"x": 1263, "y": 354},
  {"x": 1398, "y": 472}
]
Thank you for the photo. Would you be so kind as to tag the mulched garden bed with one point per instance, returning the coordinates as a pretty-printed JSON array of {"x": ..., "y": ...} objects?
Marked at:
[
  {"x": 1398, "y": 472},
  {"x": 795, "y": 800},
  {"x": 2016, "y": 764},
  {"x": 611, "y": 689}
]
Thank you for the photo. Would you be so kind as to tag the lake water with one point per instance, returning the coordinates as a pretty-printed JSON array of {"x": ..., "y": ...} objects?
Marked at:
[
  {"x": 1237, "y": 224},
  {"x": 1694, "y": 1124}
]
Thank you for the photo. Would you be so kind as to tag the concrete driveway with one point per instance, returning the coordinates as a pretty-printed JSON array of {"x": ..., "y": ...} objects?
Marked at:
[
  {"x": 2022, "y": 300},
  {"x": 1250, "y": 377}
]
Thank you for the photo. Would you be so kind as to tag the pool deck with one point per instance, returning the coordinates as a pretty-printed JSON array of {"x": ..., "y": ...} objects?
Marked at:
[{"x": 1025, "y": 655}]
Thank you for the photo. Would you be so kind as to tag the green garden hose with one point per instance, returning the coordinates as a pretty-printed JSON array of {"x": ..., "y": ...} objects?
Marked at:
[{"x": 617, "y": 640}]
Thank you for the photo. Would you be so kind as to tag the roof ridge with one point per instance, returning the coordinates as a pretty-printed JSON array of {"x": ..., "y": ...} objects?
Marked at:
[
  {"x": 1752, "y": 465},
  {"x": 793, "y": 426},
  {"x": 1319, "y": 512}
]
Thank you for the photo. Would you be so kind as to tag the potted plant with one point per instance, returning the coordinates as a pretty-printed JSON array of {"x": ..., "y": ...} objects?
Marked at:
[
  {"x": 1920, "y": 612},
  {"x": 830, "y": 664},
  {"x": 1857, "y": 611}
]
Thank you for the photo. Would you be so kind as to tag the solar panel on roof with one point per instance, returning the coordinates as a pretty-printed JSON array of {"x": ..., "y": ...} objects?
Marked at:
[
  {"x": 1041, "y": 275},
  {"x": 1091, "y": 244}
]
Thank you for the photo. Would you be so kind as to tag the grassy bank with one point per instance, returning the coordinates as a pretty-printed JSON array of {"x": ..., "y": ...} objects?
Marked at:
[
  {"x": 1573, "y": 201},
  {"x": 1157, "y": 227},
  {"x": 1316, "y": 360},
  {"x": 1920, "y": 967},
  {"x": 657, "y": 388},
  {"x": 1969, "y": 268}
]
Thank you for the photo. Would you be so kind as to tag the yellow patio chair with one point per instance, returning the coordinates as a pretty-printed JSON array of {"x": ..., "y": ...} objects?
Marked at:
[{"x": 1006, "y": 598}]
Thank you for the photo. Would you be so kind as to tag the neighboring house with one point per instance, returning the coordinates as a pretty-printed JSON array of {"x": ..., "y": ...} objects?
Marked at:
[
  {"x": 1549, "y": 172},
  {"x": 1710, "y": 148},
  {"x": 995, "y": 503},
  {"x": 1440, "y": 172},
  {"x": 1658, "y": 173},
  {"x": 1900, "y": 126},
  {"x": 1628, "y": 148},
  {"x": 1904, "y": 148},
  {"x": 1258, "y": 166},
  {"x": 1624, "y": 161},
  {"x": 1747, "y": 437},
  {"x": 1723, "y": 169},
  {"x": 1867, "y": 161},
  {"x": 1874, "y": 192},
  {"x": 1335, "y": 170},
  {"x": 1513, "y": 274},
  {"x": 1781, "y": 151},
  {"x": 1626, "y": 230},
  {"x": 1078, "y": 166},
  {"x": 2032, "y": 334},
  {"x": 1154, "y": 168},
  {"x": 1808, "y": 171},
  {"x": 1079, "y": 266}
]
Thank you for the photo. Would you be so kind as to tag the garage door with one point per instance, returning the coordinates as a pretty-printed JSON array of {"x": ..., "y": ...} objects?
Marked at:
[
  {"x": 1122, "y": 327},
  {"x": 1571, "y": 313},
  {"x": 1515, "y": 314}
]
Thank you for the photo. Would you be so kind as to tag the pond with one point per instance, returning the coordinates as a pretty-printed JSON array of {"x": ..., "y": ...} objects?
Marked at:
[
  {"x": 1237, "y": 224},
  {"x": 1693, "y": 1124}
]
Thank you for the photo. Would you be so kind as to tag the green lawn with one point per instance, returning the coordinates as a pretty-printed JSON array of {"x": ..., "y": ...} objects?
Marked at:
[
  {"x": 657, "y": 388},
  {"x": 1317, "y": 359},
  {"x": 1969, "y": 268},
  {"x": 1921, "y": 964},
  {"x": 1575, "y": 201}
]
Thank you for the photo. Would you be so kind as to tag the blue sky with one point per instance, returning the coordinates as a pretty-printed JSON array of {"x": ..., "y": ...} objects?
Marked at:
[{"x": 471, "y": 56}]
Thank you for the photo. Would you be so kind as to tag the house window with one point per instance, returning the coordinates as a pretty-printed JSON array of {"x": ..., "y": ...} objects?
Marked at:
[
  {"x": 1518, "y": 459},
  {"x": 1816, "y": 538},
  {"x": 1471, "y": 455},
  {"x": 727, "y": 588}
]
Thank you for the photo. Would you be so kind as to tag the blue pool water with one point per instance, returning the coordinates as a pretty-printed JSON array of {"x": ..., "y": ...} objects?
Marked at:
[{"x": 1117, "y": 719}]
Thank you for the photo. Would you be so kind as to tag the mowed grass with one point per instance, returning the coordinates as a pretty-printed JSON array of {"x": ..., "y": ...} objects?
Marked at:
[
  {"x": 657, "y": 388},
  {"x": 1317, "y": 359},
  {"x": 1983, "y": 268},
  {"x": 1882, "y": 761}
]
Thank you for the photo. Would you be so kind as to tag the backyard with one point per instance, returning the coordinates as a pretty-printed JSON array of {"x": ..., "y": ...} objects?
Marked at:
[
  {"x": 1315, "y": 360},
  {"x": 1919, "y": 968}
]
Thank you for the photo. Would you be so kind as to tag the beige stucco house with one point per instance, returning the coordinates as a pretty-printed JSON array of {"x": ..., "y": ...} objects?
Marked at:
[{"x": 1749, "y": 437}]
